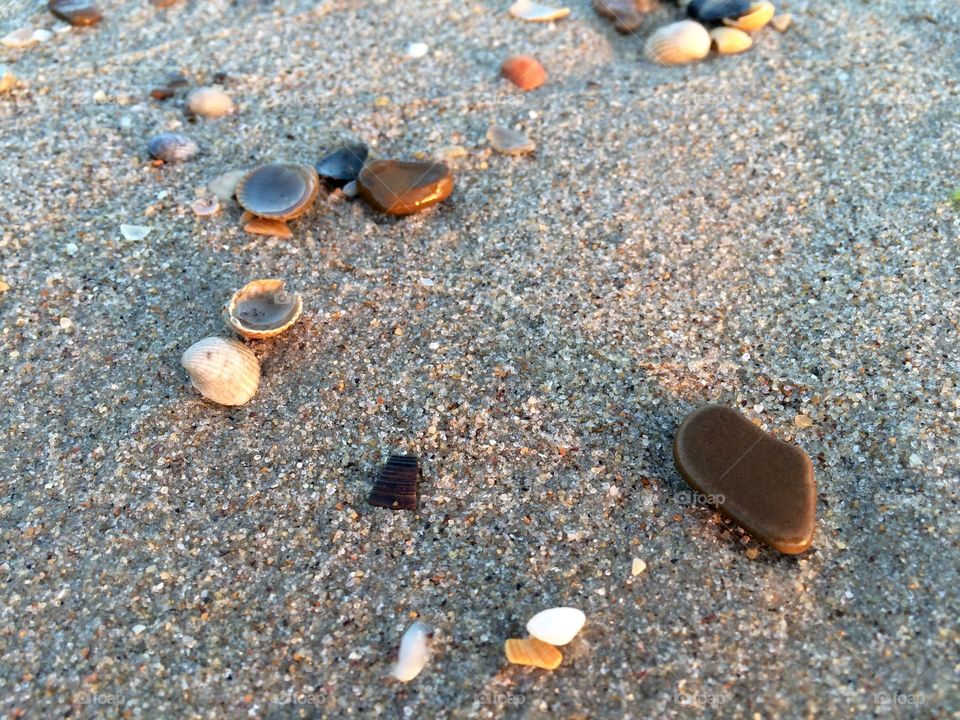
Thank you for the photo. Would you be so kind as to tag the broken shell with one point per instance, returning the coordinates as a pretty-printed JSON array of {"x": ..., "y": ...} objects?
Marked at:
[
  {"x": 678, "y": 43},
  {"x": 262, "y": 309},
  {"x": 530, "y": 651},
  {"x": 172, "y": 147},
  {"x": 19, "y": 38},
  {"x": 225, "y": 186},
  {"x": 730, "y": 41},
  {"x": 535, "y": 12},
  {"x": 509, "y": 142},
  {"x": 205, "y": 206},
  {"x": 709, "y": 11},
  {"x": 265, "y": 226},
  {"x": 556, "y": 626},
  {"x": 414, "y": 652},
  {"x": 396, "y": 485},
  {"x": 209, "y": 102},
  {"x": 780, "y": 23},
  {"x": 756, "y": 19},
  {"x": 222, "y": 370},
  {"x": 279, "y": 191}
]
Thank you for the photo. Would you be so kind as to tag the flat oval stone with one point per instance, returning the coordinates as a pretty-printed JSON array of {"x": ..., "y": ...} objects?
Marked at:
[
  {"x": 209, "y": 102},
  {"x": 398, "y": 187},
  {"x": 717, "y": 10},
  {"x": 76, "y": 12},
  {"x": 764, "y": 484},
  {"x": 343, "y": 165}
]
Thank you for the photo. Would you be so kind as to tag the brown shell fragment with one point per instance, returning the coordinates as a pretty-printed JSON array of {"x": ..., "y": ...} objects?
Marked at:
[
  {"x": 266, "y": 226},
  {"x": 530, "y": 651},
  {"x": 398, "y": 187},
  {"x": 396, "y": 485}
]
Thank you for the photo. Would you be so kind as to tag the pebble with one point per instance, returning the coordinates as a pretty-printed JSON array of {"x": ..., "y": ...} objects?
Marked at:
[
  {"x": 19, "y": 38},
  {"x": 225, "y": 186},
  {"x": 4, "y": 286},
  {"x": 781, "y": 22},
  {"x": 343, "y": 165},
  {"x": 66, "y": 323},
  {"x": 135, "y": 232},
  {"x": 417, "y": 50},
  {"x": 71, "y": 249},
  {"x": 509, "y": 142},
  {"x": 41, "y": 35},
  {"x": 209, "y": 102},
  {"x": 637, "y": 567},
  {"x": 524, "y": 71},
  {"x": 7, "y": 78},
  {"x": 536, "y": 12},
  {"x": 557, "y": 626},
  {"x": 172, "y": 147},
  {"x": 764, "y": 484},
  {"x": 398, "y": 187},
  {"x": 76, "y": 12},
  {"x": 627, "y": 15},
  {"x": 452, "y": 152},
  {"x": 802, "y": 421},
  {"x": 414, "y": 652},
  {"x": 350, "y": 189}
]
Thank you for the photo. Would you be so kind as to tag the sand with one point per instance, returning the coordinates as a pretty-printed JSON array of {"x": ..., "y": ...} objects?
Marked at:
[{"x": 772, "y": 231}]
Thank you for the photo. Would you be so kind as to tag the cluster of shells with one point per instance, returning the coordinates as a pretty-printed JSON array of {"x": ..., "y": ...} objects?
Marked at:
[
  {"x": 724, "y": 26},
  {"x": 225, "y": 370}
]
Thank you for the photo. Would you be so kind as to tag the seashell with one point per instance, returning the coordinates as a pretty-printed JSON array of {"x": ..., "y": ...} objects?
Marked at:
[
  {"x": 279, "y": 191},
  {"x": 780, "y": 23},
  {"x": 710, "y": 11},
  {"x": 524, "y": 71},
  {"x": 536, "y": 12},
  {"x": 7, "y": 78},
  {"x": 135, "y": 233},
  {"x": 203, "y": 207},
  {"x": 556, "y": 626},
  {"x": 396, "y": 485},
  {"x": 19, "y": 38},
  {"x": 262, "y": 309},
  {"x": 414, "y": 652},
  {"x": 41, "y": 35},
  {"x": 756, "y": 19},
  {"x": 172, "y": 147},
  {"x": 265, "y": 226},
  {"x": 530, "y": 651},
  {"x": 75, "y": 12},
  {"x": 509, "y": 142},
  {"x": 350, "y": 189},
  {"x": 730, "y": 41},
  {"x": 627, "y": 15},
  {"x": 225, "y": 186},
  {"x": 222, "y": 370},
  {"x": 416, "y": 50},
  {"x": 343, "y": 165},
  {"x": 678, "y": 43},
  {"x": 209, "y": 102}
]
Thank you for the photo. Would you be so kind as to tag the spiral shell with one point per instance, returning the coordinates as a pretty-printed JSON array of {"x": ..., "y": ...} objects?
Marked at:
[
  {"x": 530, "y": 651},
  {"x": 678, "y": 43},
  {"x": 755, "y": 19},
  {"x": 222, "y": 370},
  {"x": 262, "y": 309}
]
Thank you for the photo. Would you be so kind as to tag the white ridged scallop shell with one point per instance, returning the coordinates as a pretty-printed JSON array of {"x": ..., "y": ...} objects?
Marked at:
[
  {"x": 262, "y": 309},
  {"x": 414, "y": 652},
  {"x": 678, "y": 43},
  {"x": 556, "y": 626},
  {"x": 222, "y": 370}
]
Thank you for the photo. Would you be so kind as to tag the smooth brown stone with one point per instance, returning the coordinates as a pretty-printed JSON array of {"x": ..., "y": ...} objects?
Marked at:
[
  {"x": 75, "y": 12},
  {"x": 524, "y": 71},
  {"x": 627, "y": 15},
  {"x": 267, "y": 226},
  {"x": 764, "y": 484},
  {"x": 397, "y": 187}
]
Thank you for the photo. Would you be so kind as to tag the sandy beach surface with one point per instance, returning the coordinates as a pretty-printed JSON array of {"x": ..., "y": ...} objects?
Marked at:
[{"x": 773, "y": 231}]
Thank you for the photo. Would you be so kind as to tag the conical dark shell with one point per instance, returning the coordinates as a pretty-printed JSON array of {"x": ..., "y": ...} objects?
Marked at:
[{"x": 396, "y": 485}]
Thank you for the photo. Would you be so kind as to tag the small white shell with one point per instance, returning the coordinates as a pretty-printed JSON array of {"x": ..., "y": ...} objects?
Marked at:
[
  {"x": 536, "y": 12},
  {"x": 209, "y": 102},
  {"x": 556, "y": 626},
  {"x": 678, "y": 43},
  {"x": 414, "y": 652},
  {"x": 730, "y": 41},
  {"x": 222, "y": 370}
]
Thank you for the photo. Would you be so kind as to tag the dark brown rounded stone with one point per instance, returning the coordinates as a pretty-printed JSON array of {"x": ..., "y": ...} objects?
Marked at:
[
  {"x": 76, "y": 12},
  {"x": 764, "y": 484},
  {"x": 397, "y": 187}
]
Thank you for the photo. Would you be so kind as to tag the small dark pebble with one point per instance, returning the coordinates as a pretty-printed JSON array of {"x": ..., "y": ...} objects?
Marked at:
[
  {"x": 163, "y": 93},
  {"x": 343, "y": 165}
]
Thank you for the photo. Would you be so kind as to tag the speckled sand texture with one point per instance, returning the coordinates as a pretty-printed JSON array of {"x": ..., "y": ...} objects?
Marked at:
[{"x": 772, "y": 231}]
